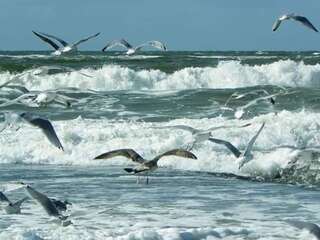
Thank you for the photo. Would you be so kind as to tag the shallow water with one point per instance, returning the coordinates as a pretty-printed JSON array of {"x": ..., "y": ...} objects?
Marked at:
[{"x": 126, "y": 103}]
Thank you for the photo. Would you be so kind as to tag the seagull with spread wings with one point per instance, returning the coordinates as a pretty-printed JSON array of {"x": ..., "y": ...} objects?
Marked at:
[
  {"x": 66, "y": 47},
  {"x": 132, "y": 50},
  {"x": 294, "y": 17},
  {"x": 145, "y": 166},
  {"x": 245, "y": 156}
]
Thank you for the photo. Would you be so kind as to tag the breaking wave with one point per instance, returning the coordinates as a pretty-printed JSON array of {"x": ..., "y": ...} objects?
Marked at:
[{"x": 227, "y": 74}]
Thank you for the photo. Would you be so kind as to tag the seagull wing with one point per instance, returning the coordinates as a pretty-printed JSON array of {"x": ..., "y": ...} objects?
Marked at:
[
  {"x": 176, "y": 152},
  {"x": 114, "y": 43},
  {"x": 276, "y": 24},
  {"x": 155, "y": 44},
  {"x": 44, "y": 201},
  {"x": 127, "y": 153},
  {"x": 18, "y": 203},
  {"x": 45, "y": 126},
  {"x": 305, "y": 22},
  {"x": 47, "y": 40},
  {"x": 3, "y": 198},
  {"x": 232, "y": 148},
  {"x": 252, "y": 141},
  {"x": 64, "y": 43},
  {"x": 85, "y": 39}
]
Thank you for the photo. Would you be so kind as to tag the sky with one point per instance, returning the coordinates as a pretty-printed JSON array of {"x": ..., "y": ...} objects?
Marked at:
[{"x": 214, "y": 25}]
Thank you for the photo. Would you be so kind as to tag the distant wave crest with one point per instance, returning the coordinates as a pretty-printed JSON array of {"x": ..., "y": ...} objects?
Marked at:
[{"x": 227, "y": 74}]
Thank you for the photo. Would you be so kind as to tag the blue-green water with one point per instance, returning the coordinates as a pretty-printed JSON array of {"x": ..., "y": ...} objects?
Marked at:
[{"x": 118, "y": 101}]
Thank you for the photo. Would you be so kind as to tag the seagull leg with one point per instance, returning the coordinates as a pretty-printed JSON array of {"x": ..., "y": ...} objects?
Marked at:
[{"x": 147, "y": 182}]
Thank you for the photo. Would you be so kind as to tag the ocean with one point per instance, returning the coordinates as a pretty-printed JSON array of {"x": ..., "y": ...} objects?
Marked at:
[{"x": 119, "y": 101}]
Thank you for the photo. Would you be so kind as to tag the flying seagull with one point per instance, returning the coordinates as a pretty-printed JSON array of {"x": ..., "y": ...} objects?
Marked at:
[
  {"x": 34, "y": 120},
  {"x": 132, "y": 50},
  {"x": 66, "y": 47},
  {"x": 297, "y": 18},
  {"x": 244, "y": 157},
  {"x": 145, "y": 166},
  {"x": 40, "y": 98},
  {"x": 12, "y": 207},
  {"x": 45, "y": 125},
  {"x": 241, "y": 110},
  {"x": 201, "y": 135},
  {"x": 46, "y": 203}
]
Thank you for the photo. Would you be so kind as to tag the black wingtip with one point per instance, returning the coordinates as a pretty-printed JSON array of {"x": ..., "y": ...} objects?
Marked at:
[{"x": 129, "y": 170}]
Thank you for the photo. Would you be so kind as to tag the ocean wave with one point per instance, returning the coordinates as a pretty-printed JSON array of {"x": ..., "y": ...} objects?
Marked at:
[
  {"x": 84, "y": 139},
  {"x": 227, "y": 74}
]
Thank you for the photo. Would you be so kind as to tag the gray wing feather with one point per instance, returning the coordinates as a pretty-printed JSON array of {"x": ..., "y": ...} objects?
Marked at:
[
  {"x": 47, "y": 40},
  {"x": 127, "y": 153},
  {"x": 252, "y": 141},
  {"x": 114, "y": 43},
  {"x": 64, "y": 43},
  {"x": 305, "y": 22},
  {"x": 176, "y": 152},
  {"x": 232, "y": 148},
  {"x": 86, "y": 39},
  {"x": 45, "y": 126}
]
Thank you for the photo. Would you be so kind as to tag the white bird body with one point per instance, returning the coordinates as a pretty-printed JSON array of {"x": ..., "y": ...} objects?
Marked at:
[{"x": 131, "y": 51}]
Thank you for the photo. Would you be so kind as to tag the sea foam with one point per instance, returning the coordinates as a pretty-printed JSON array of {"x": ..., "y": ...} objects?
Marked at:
[{"x": 227, "y": 74}]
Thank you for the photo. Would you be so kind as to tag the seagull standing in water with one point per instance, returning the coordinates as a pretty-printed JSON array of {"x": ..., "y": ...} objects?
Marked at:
[
  {"x": 297, "y": 18},
  {"x": 66, "y": 47},
  {"x": 132, "y": 50},
  {"x": 12, "y": 207},
  {"x": 244, "y": 157},
  {"x": 145, "y": 165}
]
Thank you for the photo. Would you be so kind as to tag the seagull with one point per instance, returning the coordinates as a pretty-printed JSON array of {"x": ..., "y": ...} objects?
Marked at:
[
  {"x": 40, "y": 98},
  {"x": 201, "y": 135},
  {"x": 244, "y": 157},
  {"x": 34, "y": 120},
  {"x": 132, "y": 50},
  {"x": 45, "y": 125},
  {"x": 241, "y": 110},
  {"x": 66, "y": 47},
  {"x": 47, "y": 204},
  {"x": 12, "y": 208},
  {"x": 297, "y": 18},
  {"x": 145, "y": 166}
]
